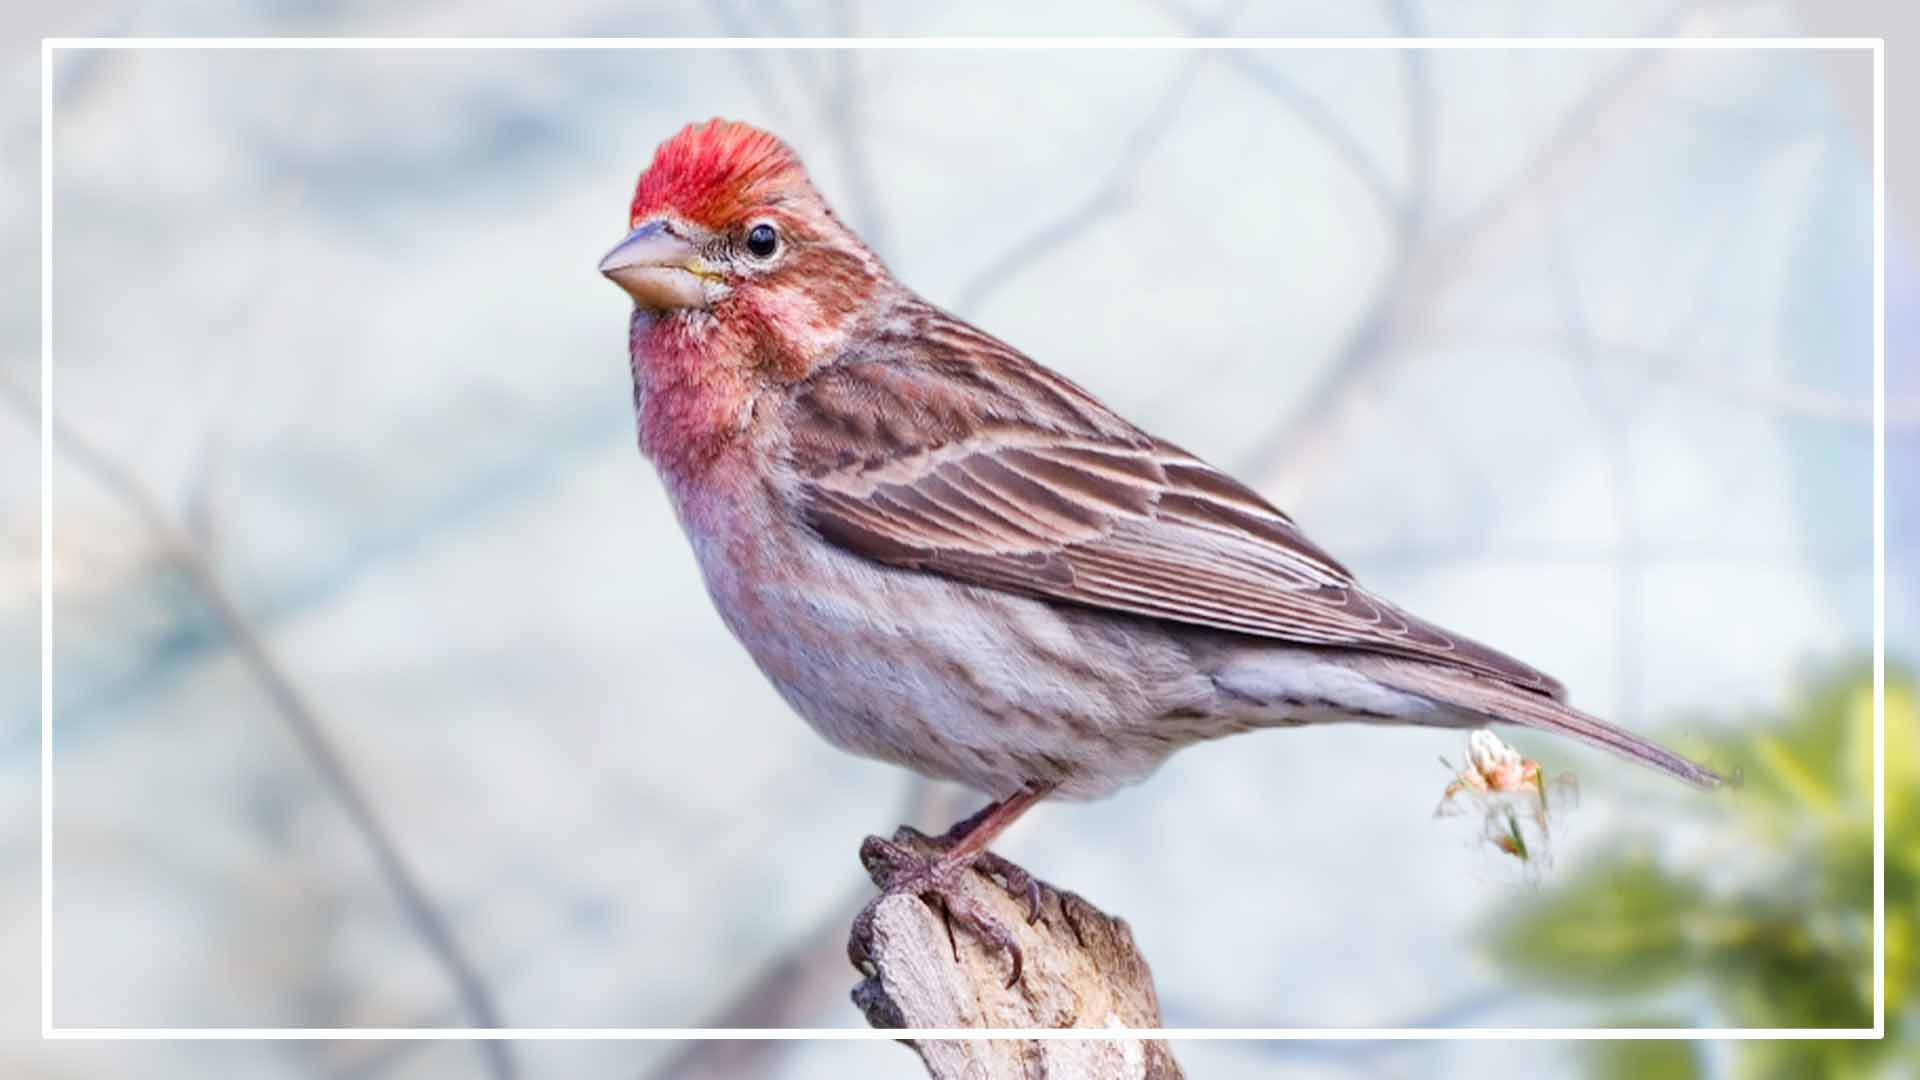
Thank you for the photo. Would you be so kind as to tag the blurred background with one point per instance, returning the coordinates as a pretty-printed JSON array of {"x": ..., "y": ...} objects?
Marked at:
[{"x": 387, "y": 692}]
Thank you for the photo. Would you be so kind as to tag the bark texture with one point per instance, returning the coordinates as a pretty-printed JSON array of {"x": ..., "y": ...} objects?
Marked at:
[{"x": 1081, "y": 971}]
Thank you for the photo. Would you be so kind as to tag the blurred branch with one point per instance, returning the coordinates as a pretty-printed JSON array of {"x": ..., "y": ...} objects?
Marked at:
[
  {"x": 753, "y": 62},
  {"x": 793, "y": 987},
  {"x": 842, "y": 106},
  {"x": 1361, "y": 1055},
  {"x": 1781, "y": 399},
  {"x": 1430, "y": 258},
  {"x": 1027, "y": 252},
  {"x": 1616, "y": 423},
  {"x": 783, "y": 24},
  {"x": 1311, "y": 111},
  {"x": 1419, "y": 106},
  {"x": 786, "y": 994},
  {"x": 308, "y": 729},
  {"x": 1369, "y": 338}
]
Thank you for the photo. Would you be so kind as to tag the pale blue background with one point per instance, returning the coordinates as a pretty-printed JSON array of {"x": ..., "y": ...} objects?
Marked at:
[{"x": 337, "y": 313}]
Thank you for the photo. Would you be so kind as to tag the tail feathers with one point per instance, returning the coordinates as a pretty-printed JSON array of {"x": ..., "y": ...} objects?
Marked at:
[{"x": 1502, "y": 703}]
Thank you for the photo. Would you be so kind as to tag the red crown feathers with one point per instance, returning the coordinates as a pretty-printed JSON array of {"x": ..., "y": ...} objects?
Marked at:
[{"x": 709, "y": 171}]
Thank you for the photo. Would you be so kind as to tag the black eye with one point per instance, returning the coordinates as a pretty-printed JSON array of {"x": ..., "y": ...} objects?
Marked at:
[{"x": 762, "y": 240}]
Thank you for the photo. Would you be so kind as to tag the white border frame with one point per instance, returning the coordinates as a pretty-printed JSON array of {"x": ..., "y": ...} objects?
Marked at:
[{"x": 48, "y": 46}]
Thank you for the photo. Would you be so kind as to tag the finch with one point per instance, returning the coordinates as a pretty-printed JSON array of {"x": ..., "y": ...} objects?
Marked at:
[{"x": 946, "y": 556}]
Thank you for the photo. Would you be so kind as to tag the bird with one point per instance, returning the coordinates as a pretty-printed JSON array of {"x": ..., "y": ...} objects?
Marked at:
[{"x": 946, "y": 556}]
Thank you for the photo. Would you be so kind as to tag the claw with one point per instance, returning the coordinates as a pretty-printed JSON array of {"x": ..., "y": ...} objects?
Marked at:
[
  {"x": 858, "y": 939},
  {"x": 1019, "y": 961},
  {"x": 946, "y": 919},
  {"x": 883, "y": 858},
  {"x": 898, "y": 869},
  {"x": 1019, "y": 884}
]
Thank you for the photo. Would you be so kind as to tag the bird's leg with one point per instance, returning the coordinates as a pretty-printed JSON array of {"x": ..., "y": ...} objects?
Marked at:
[
  {"x": 899, "y": 869},
  {"x": 1015, "y": 879}
]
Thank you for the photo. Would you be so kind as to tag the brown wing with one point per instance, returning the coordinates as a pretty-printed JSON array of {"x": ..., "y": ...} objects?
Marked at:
[{"x": 944, "y": 451}]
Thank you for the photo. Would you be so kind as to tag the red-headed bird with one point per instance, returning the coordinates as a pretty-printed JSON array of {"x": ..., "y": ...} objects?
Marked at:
[{"x": 947, "y": 556}]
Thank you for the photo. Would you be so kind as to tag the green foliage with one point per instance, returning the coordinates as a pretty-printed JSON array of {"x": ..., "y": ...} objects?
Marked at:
[
  {"x": 1788, "y": 942},
  {"x": 1620, "y": 926},
  {"x": 1635, "y": 1060}
]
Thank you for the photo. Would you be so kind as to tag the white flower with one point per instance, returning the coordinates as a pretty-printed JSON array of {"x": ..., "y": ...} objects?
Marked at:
[{"x": 1492, "y": 765}]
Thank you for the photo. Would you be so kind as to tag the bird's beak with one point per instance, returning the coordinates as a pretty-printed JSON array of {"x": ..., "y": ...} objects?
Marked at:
[{"x": 661, "y": 271}]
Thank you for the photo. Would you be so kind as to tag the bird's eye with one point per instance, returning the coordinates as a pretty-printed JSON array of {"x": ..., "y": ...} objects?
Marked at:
[{"x": 762, "y": 240}]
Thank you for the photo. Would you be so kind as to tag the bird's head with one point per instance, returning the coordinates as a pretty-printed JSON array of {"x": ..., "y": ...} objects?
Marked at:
[{"x": 730, "y": 241}]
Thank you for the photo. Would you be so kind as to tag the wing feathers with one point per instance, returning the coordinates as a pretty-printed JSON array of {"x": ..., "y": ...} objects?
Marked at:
[{"x": 957, "y": 456}]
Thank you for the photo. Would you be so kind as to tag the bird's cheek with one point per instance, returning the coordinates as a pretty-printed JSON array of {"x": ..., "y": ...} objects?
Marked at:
[{"x": 798, "y": 336}]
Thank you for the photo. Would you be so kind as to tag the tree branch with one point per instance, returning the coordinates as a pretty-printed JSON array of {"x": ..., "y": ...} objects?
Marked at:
[
  {"x": 1081, "y": 970},
  {"x": 308, "y": 729}
]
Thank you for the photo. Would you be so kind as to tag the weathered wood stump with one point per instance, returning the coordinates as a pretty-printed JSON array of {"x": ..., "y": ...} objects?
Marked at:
[{"x": 1081, "y": 971}]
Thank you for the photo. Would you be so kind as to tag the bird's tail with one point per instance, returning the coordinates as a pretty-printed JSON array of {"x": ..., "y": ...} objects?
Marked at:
[{"x": 1490, "y": 700}]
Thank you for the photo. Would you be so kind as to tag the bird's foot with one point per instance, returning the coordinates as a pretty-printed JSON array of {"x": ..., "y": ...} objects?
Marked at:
[
  {"x": 898, "y": 868},
  {"x": 1014, "y": 878}
]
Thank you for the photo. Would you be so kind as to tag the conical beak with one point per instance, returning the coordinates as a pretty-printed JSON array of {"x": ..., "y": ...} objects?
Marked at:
[{"x": 661, "y": 271}]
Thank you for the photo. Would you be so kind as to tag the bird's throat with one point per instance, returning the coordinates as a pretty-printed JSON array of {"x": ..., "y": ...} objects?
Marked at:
[{"x": 693, "y": 392}]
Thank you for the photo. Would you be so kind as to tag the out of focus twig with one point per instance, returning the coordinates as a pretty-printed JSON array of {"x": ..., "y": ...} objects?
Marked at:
[
  {"x": 1110, "y": 194},
  {"x": 1314, "y": 112},
  {"x": 753, "y": 62},
  {"x": 1660, "y": 364},
  {"x": 1028, "y": 250},
  {"x": 1429, "y": 257},
  {"x": 308, "y": 729},
  {"x": 795, "y": 986},
  {"x": 843, "y": 108},
  {"x": 1615, "y": 419}
]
